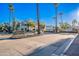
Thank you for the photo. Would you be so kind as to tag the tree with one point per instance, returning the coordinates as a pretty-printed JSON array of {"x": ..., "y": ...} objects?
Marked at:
[
  {"x": 64, "y": 26},
  {"x": 60, "y": 14},
  {"x": 30, "y": 23},
  {"x": 38, "y": 22},
  {"x": 11, "y": 8},
  {"x": 0, "y": 27},
  {"x": 14, "y": 24},
  {"x": 42, "y": 25},
  {"x": 74, "y": 22},
  {"x": 18, "y": 25},
  {"x": 4, "y": 27},
  {"x": 56, "y": 11}
]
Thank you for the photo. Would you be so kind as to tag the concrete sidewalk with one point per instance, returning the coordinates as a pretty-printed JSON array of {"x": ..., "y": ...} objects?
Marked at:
[{"x": 26, "y": 46}]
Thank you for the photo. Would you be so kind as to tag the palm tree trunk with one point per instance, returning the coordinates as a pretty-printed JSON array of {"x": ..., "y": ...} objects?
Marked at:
[
  {"x": 61, "y": 19},
  {"x": 38, "y": 18},
  {"x": 56, "y": 19},
  {"x": 56, "y": 11}
]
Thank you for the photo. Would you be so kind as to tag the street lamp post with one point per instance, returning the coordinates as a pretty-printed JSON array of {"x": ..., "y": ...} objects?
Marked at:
[
  {"x": 38, "y": 22},
  {"x": 56, "y": 11}
]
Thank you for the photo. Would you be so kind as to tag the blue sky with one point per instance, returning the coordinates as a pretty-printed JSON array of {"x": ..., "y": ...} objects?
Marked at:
[{"x": 24, "y": 11}]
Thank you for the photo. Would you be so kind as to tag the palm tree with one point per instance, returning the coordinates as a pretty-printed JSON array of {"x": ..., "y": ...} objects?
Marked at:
[
  {"x": 60, "y": 14},
  {"x": 42, "y": 26},
  {"x": 55, "y": 22},
  {"x": 11, "y": 13},
  {"x": 54, "y": 18},
  {"x": 11, "y": 10},
  {"x": 14, "y": 24},
  {"x": 56, "y": 11},
  {"x": 37, "y": 6},
  {"x": 64, "y": 26},
  {"x": 74, "y": 22},
  {"x": 30, "y": 23}
]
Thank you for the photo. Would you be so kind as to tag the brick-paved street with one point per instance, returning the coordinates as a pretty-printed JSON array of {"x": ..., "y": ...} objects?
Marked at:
[{"x": 27, "y": 46}]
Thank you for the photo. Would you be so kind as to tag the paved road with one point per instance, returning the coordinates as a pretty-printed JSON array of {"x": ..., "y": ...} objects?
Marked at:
[
  {"x": 74, "y": 48},
  {"x": 52, "y": 49},
  {"x": 39, "y": 45}
]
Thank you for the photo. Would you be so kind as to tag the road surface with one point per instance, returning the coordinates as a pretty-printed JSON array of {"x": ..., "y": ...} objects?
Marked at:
[
  {"x": 74, "y": 48},
  {"x": 47, "y": 44}
]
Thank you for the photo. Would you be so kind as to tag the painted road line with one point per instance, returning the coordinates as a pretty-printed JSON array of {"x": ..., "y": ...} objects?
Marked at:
[
  {"x": 69, "y": 44},
  {"x": 64, "y": 47},
  {"x": 60, "y": 50}
]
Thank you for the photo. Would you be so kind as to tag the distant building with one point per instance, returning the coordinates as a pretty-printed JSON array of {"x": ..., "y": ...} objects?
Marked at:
[
  {"x": 49, "y": 28},
  {"x": 23, "y": 26}
]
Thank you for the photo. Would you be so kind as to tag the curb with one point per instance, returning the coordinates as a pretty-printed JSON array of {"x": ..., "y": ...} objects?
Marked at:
[{"x": 65, "y": 50}]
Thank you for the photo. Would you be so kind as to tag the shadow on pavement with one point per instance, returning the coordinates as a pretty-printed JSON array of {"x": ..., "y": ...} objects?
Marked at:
[
  {"x": 49, "y": 49},
  {"x": 7, "y": 38},
  {"x": 74, "y": 48}
]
